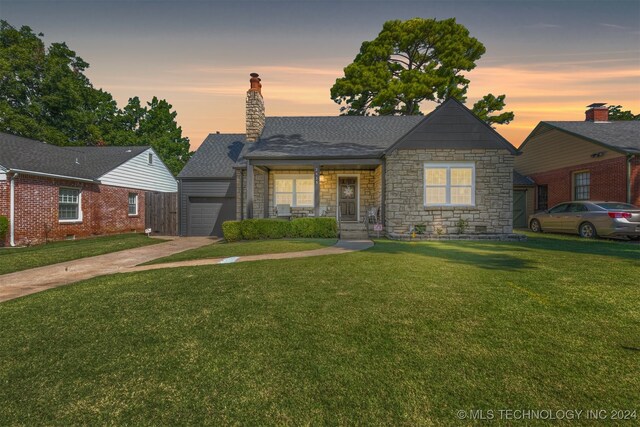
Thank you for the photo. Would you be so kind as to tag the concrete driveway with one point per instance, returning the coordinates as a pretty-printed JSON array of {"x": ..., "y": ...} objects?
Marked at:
[{"x": 14, "y": 285}]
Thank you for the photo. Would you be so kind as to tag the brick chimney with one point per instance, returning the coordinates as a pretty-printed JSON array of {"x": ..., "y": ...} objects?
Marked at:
[
  {"x": 597, "y": 112},
  {"x": 255, "y": 109}
]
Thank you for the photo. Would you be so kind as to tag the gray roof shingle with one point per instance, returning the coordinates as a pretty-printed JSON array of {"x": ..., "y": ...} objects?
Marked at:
[
  {"x": 620, "y": 135},
  {"x": 339, "y": 136},
  {"x": 216, "y": 157},
  {"x": 77, "y": 162},
  {"x": 521, "y": 179}
]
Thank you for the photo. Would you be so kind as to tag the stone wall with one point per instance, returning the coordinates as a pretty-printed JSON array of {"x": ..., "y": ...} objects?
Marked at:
[{"x": 493, "y": 194}]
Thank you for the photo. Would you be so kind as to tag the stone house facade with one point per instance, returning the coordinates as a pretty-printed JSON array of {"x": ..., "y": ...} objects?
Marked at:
[{"x": 406, "y": 174}]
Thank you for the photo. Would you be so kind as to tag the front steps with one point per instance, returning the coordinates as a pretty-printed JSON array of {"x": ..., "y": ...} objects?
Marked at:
[{"x": 353, "y": 231}]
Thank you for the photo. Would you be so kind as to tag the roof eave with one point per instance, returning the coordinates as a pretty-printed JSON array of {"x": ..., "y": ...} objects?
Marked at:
[
  {"x": 577, "y": 135},
  {"x": 52, "y": 175}
]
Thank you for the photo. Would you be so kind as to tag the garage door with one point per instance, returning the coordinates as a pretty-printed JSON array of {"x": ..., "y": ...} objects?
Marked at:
[
  {"x": 205, "y": 215},
  {"x": 519, "y": 209}
]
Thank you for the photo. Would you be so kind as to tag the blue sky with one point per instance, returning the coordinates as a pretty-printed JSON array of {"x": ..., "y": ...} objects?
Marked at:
[{"x": 551, "y": 58}]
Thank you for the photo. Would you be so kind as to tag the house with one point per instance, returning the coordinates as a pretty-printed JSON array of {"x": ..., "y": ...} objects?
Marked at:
[
  {"x": 406, "y": 173},
  {"x": 594, "y": 159},
  {"x": 49, "y": 192}
]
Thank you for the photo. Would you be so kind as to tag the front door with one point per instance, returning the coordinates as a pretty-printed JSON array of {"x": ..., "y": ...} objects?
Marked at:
[{"x": 348, "y": 198}]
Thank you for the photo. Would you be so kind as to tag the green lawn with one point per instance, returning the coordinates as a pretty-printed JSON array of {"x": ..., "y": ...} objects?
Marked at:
[
  {"x": 403, "y": 333},
  {"x": 253, "y": 247},
  {"x": 16, "y": 259}
]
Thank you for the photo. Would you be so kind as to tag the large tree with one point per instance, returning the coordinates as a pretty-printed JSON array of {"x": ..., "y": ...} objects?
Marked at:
[
  {"x": 45, "y": 95},
  {"x": 617, "y": 114},
  {"x": 410, "y": 62}
]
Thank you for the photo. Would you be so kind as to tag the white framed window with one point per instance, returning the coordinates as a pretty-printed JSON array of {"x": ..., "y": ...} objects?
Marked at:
[
  {"x": 69, "y": 207},
  {"x": 150, "y": 158},
  {"x": 294, "y": 190},
  {"x": 581, "y": 185},
  {"x": 133, "y": 204},
  {"x": 450, "y": 184}
]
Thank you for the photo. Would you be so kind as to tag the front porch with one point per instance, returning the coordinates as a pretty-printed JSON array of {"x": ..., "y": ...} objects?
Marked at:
[{"x": 350, "y": 191}]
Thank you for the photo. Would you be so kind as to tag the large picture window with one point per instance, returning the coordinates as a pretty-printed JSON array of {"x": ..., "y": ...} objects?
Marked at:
[
  {"x": 581, "y": 185},
  {"x": 449, "y": 184},
  {"x": 296, "y": 191},
  {"x": 69, "y": 204}
]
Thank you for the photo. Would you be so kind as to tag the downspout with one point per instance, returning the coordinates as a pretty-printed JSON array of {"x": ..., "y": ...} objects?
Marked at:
[
  {"x": 629, "y": 158},
  {"x": 12, "y": 215}
]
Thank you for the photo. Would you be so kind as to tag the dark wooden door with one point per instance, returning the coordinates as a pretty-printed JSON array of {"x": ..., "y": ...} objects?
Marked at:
[
  {"x": 519, "y": 209},
  {"x": 348, "y": 198}
]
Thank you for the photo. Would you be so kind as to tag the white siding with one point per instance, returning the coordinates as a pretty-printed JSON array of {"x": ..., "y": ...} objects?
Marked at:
[
  {"x": 138, "y": 173},
  {"x": 3, "y": 175}
]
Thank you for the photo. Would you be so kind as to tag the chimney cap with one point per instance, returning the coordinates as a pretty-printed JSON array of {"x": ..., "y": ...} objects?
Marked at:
[
  {"x": 254, "y": 75},
  {"x": 597, "y": 105}
]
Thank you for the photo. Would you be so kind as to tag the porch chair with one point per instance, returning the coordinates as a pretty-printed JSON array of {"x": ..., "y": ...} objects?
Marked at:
[
  {"x": 373, "y": 214},
  {"x": 283, "y": 211}
]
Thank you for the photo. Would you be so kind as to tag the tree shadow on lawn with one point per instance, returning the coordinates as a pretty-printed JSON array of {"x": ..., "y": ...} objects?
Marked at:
[
  {"x": 575, "y": 245},
  {"x": 486, "y": 256}
]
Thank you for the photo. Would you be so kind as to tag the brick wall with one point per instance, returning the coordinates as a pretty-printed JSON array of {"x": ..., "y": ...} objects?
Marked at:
[
  {"x": 405, "y": 192},
  {"x": 104, "y": 210},
  {"x": 635, "y": 181},
  {"x": 608, "y": 181}
]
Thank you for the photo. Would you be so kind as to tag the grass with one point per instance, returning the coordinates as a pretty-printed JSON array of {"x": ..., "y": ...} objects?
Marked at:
[
  {"x": 17, "y": 259},
  {"x": 403, "y": 333},
  {"x": 253, "y": 247}
]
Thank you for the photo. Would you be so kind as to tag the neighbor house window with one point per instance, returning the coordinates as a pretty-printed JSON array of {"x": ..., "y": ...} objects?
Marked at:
[
  {"x": 449, "y": 184},
  {"x": 581, "y": 185},
  {"x": 543, "y": 197},
  {"x": 133, "y": 204},
  {"x": 69, "y": 204},
  {"x": 296, "y": 191}
]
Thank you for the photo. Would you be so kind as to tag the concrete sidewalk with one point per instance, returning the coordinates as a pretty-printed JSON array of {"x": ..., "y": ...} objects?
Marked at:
[
  {"x": 27, "y": 282},
  {"x": 20, "y": 283}
]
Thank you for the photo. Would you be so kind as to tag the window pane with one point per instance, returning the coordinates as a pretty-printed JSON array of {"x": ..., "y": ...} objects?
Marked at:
[
  {"x": 436, "y": 195},
  {"x": 284, "y": 199},
  {"x": 133, "y": 199},
  {"x": 304, "y": 185},
  {"x": 436, "y": 176},
  {"x": 68, "y": 212},
  {"x": 304, "y": 199},
  {"x": 284, "y": 185},
  {"x": 460, "y": 195},
  {"x": 461, "y": 176},
  {"x": 68, "y": 195}
]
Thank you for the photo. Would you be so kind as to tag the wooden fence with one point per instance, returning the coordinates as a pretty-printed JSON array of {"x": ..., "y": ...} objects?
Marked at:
[{"x": 161, "y": 213}]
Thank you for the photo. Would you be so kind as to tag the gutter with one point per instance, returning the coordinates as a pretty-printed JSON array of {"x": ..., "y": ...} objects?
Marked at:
[
  {"x": 12, "y": 204},
  {"x": 629, "y": 158},
  {"x": 52, "y": 175}
]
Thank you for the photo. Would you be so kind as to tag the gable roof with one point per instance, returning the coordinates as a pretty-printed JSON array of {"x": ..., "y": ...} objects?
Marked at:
[
  {"x": 331, "y": 136},
  {"x": 85, "y": 163},
  {"x": 216, "y": 157},
  {"x": 453, "y": 126},
  {"x": 622, "y": 136},
  {"x": 519, "y": 179}
]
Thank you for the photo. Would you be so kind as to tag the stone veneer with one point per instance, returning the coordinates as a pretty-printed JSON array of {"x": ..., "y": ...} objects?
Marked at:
[
  {"x": 405, "y": 192},
  {"x": 370, "y": 190}
]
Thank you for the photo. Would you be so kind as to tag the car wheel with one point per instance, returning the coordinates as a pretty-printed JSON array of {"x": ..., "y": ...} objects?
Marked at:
[
  {"x": 587, "y": 230},
  {"x": 535, "y": 226}
]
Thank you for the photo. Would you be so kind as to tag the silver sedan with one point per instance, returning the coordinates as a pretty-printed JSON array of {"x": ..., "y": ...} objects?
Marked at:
[{"x": 589, "y": 219}]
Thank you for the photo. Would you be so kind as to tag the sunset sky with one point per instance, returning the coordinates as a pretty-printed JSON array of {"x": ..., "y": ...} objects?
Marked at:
[{"x": 551, "y": 58}]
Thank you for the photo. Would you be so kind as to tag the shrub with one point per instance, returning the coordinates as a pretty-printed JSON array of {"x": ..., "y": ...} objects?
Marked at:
[
  {"x": 4, "y": 226},
  {"x": 254, "y": 229},
  {"x": 231, "y": 231},
  {"x": 314, "y": 227}
]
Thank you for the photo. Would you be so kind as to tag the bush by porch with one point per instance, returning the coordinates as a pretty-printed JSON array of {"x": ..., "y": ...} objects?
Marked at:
[{"x": 254, "y": 229}]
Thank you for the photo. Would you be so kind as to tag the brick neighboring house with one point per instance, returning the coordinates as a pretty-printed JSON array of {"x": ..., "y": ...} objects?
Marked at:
[
  {"x": 399, "y": 171},
  {"x": 593, "y": 159},
  {"x": 51, "y": 193}
]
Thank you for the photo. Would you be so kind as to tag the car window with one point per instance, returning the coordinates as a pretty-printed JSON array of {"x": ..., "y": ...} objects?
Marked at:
[
  {"x": 577, "y": 207},
  {"x": 559, "y": 208},
  {"x": 616, "y": 205}
]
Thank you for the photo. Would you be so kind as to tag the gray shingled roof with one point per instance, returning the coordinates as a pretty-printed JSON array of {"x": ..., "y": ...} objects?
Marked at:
[
  {"x": 216, "y": 157},
  {"x": 78, "y": 162},
  {"x": 341, "y": 136},
  {"x": 619, "y": 135},
  {"x": 521, "y": 179}
]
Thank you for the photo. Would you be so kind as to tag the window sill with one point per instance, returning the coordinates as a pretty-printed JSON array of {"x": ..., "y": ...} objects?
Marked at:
[
  {"x": 70, "y": 221},
  {"x": 134, "y": 216},
  {"x": 450, "y": 207}
]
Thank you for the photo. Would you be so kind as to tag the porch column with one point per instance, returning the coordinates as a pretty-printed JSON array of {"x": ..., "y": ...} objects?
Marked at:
[
  {"x": 316, "y": 190},
  {"x": 266, "y": 193},
  {"x": 250, "y": 188}
]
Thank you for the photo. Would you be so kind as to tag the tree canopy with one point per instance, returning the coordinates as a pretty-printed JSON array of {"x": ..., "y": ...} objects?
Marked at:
[
  {"x": 410, "y": 62},
  {"x": 617, "y": 114},
  {"x": 45, "y": 95}
]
